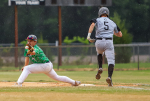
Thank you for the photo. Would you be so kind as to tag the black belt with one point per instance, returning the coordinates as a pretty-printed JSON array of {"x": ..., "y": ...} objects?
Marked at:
[
  {"x": 104, "y": 38},
  {"x": 47, "y": 61}
]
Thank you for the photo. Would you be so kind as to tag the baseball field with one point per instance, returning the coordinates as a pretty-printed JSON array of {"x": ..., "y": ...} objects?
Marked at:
[{"x": 133, "y": 85}]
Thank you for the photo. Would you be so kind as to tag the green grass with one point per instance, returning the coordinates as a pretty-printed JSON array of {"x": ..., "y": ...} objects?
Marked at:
[
  {"x": 141, "y": 76},
  {"x": 139, "y": 93},
  {"x": 117, "y": 66},
  {"x": 121, "y": 66},
  {"x": 104, "y": 90}
]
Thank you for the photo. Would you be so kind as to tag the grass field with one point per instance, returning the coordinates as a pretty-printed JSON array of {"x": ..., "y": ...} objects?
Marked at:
[
  {"x": 120, "y": 66},
  {"x": 128, "y": 86}
]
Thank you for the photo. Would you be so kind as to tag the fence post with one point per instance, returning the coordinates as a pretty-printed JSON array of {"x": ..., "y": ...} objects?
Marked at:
[
  {"x": 16, "y": 36},
  {"x": 58, "y": 57},
  {"x": 138, "y": 57},
  {"x": 133, "y": 55},
  {"x": 149, "y": 53},
  {"x": 91, "y": 54}
]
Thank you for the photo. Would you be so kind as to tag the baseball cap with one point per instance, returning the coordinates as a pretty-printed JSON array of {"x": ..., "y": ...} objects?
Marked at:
[{"x": 32, "y": 37}]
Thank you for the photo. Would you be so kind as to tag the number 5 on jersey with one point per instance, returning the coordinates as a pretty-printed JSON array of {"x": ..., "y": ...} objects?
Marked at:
[{"x": 106, "y": 26}]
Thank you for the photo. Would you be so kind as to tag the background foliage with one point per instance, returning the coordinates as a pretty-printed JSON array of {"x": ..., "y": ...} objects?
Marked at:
[{"x": 133, "y": 14}]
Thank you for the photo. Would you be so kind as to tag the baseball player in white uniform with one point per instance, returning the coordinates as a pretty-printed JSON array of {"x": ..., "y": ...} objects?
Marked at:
[
  {"x": 105, "y": 29},
  {"x": 41, "y": 64}
]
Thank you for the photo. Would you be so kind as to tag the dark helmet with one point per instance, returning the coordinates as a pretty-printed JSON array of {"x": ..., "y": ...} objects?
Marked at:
[
  {"x": 103, "y": 10},
  {"x": 32, "y": 37}
]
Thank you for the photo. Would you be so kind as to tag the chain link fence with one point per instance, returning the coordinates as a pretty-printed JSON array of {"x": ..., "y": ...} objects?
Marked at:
[{"x": 78, "y": 55}]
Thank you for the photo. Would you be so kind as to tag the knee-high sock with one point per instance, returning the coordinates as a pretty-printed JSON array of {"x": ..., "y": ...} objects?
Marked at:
[
  {"x": 110, "y": 70},
  {"x": 52, "y": 74},
  {"x": 100, "y": 59}
]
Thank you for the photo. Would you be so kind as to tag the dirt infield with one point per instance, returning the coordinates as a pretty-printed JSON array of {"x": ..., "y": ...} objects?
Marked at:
[
  {"x": 52, "y": 84},
  {"x": 33, "y": 84}
]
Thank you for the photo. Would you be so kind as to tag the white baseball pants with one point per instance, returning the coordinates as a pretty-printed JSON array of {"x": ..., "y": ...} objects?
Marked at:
[
  {"x": 107, "y": 47},
  {"x": 46, "y": 68}
]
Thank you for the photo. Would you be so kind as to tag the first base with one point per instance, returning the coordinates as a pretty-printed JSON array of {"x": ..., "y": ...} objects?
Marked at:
[{"x": 87, "y": 85}]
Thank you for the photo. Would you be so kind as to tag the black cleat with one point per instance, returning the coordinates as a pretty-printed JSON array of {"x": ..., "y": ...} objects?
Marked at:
[
  {"x": 98, "y": 75},
  {"x": 109, "y": 81}
]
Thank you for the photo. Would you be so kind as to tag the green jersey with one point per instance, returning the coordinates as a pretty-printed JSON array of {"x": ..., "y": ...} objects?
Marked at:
[{"x": 39, "y": 56}]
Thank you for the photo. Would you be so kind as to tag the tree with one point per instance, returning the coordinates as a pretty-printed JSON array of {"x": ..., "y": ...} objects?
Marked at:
[
  {"x": 78, "y": 22},
  {"x": 136, "y": 13},
  {"x": 127, "y": 37},
  {"x": 123, "y": 54},
  {"x": 75, "y": 20}
]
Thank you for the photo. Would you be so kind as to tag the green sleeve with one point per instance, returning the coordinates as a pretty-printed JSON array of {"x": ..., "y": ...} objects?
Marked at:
[
  {"x": 25, "y": 52},
  {"x": 37, "y": 51}
]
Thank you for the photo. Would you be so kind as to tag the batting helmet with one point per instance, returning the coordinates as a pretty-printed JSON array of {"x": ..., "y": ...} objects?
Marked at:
[
  {"x": 32, "y": 37},
  {"x": 103, "y": 10}
]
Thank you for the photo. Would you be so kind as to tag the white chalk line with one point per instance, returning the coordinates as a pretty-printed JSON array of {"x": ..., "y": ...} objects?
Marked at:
[
  {"x": 138, "y": 88},
  {"x": 86, "y": 85}
]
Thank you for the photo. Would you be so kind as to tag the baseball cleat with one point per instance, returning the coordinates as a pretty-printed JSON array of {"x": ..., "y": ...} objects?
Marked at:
[
  {"x": 77, "y": 83},
  {"x": 17, "y": 85},
  {"x": 98, "y": 75},
  {"x": 109, "y": 81}
]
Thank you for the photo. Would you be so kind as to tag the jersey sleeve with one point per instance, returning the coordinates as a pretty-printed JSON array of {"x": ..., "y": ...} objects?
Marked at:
[
  {"x": 25, "y": 52},
  {"x": 37, "y": 51},
  {"x": 93, "y": 21},
  {"x": 117, "y": 29}
]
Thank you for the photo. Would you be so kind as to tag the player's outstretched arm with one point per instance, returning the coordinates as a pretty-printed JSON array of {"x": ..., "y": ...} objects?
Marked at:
[
  {"x": 119, "y": 34},
  {"x": 26, "y": 62}
]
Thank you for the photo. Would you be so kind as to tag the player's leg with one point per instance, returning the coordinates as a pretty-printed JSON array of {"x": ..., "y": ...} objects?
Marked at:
[
  {"x": 33, "y": 68},
  {"x": 111, "y": 62},
  {"x": 52, "y": 74},
  {"x": 110, "y": 70},
  {"x": 23, "y": 75},
  {"x": 100, "y": 49},
  {"x": 100, "y": 70},
  {"x": 100, "y": 59}
]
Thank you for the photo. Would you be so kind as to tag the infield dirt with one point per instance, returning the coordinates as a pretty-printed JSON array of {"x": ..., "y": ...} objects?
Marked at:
[{"x": 53, "y": 84}]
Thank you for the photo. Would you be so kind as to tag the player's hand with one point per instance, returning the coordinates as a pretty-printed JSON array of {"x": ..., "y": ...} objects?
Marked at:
[
  {"x": 30, "y": 49},
  {"x": 22, "y": 68},
  {"x": 92, "y": 40},
  {"x": 29, "y": 52},
  {"x": 119, "y": 34}
]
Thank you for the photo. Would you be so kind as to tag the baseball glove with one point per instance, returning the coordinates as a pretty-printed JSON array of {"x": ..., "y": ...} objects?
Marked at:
[
  {"x": 30, "y": 49},
  {"x": 92, "y": 40}
]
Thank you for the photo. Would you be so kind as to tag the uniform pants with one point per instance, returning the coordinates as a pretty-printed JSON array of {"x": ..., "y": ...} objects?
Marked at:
[
  {"x": 107, "y": 47},
  {"x": 46, "y": 68}
]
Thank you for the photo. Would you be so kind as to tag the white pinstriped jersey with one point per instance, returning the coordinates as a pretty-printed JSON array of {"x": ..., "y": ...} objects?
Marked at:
[{"x": 105, "y": 27}]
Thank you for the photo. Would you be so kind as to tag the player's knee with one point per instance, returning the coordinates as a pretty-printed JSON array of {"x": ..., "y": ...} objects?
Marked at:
[
  {"x": 111, "y": 61},
  {"x": 100, "y": 56},
  {"x": 26, "y": 68},
  {"x": 57, "y": 78},
  {"x": 111, "y": 67}
]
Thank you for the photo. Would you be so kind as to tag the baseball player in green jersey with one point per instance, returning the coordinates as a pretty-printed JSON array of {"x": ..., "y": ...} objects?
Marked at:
[{"x": 41, "y": 64}]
